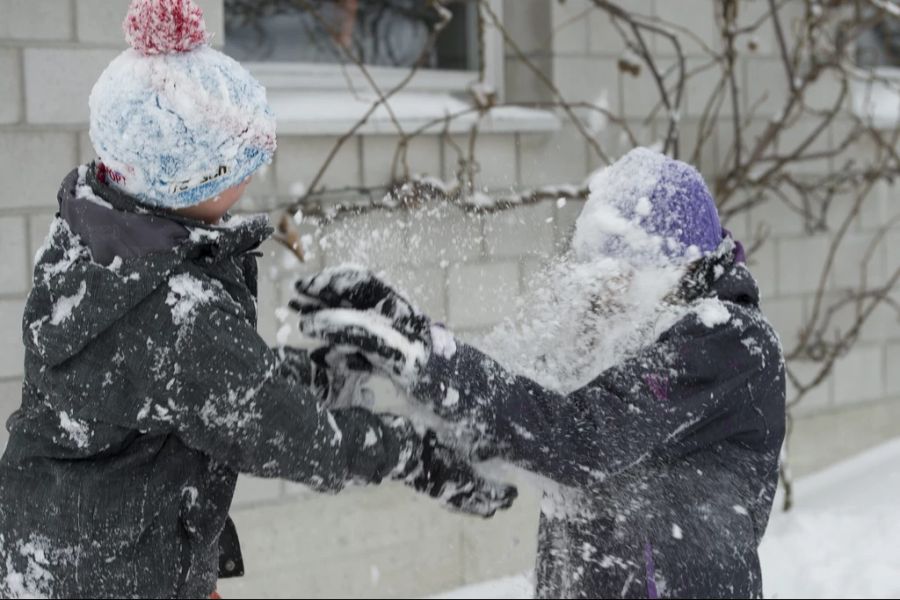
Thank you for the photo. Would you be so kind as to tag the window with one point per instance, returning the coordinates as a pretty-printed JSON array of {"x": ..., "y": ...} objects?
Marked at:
[
  {"x": 876, "y": 86},
  {"x": 298, "y": 50},
  {"x": 384, "y": 33},
  {"x": 880, "y": 45}
]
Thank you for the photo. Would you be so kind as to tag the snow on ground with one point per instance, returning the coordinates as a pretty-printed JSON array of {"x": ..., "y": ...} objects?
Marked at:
[{"x": 842, "y": 540}]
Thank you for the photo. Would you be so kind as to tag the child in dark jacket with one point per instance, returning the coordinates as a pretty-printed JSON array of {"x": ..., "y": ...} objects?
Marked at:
[
  {"x": 147, "y": 389},
  {"x": 662, "y": 425}
]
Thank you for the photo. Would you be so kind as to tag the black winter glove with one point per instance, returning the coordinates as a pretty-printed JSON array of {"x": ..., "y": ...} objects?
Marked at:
[
  {"x": 429, "y": 467},
  {"x": 354, "y": 312}
]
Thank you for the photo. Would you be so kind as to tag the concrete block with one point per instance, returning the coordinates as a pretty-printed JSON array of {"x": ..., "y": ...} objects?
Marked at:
[
  {"x": 587, "y": 79},
  {"x": 859, "y": 375},
  {"x": 262, "y": 194},
  {"x": 11, "y": 109},
  {"x": 814, "y": 401},
  {"x": 604, "y": 36},
  {"x": 86, "y": 152},
  {"x": 100, "y": 21},
  {"x": 806, "y": 139},
  {"x": 881, "y": 207},
  {"x": 779, "y": 218},
  {"x": 763, "y": 264},
  {"x": 530, "y": 24},
  {"x": 765, "y": 86},
  {"x": 883, "y": 323},
  {"x": 423, "y": 157},
  {"x": 640, "y": 93},
  {"x": 495, "y": 155},
  {"x": 532, "y": 271},
  {"x": 444, "y": 234},
  {"x": 552, "y": 158},
  {"x": 825, "y": 92},
  {"x": 482, "y": 294},
  {"x": 425, "y": 286},
  {"x": 361, "y": 542},
  {"x": 801, "y": 262},
  {"x": 700, "y": 149},
  {"x": 34, "y": 20},
  {"x": 787, "y": 316},
  {"x": 569, "y": 26},
  {"x": 825, "y": 439},
  {"x": 32, "y": 165},
  {"x": 58, "y": 83},
  {"x": 14, "y": 272},
  {"x": 254, "y": 490},
  {"x": 521, "y": 84},
  {"x": 852, "y": 148},
  {"x": 698, "y": 17},
  {"x": 38, "y": 228},
  {"x": 892, "y": 356},
  {"x": 12, "y": 352},
  {"x": 374, "y": 239},
  {"x": 860, "y": 260},
  {"x": 761, "y": 41},
  {"x": 298, "y": 159},
  {"x": 521, "y": 231}
]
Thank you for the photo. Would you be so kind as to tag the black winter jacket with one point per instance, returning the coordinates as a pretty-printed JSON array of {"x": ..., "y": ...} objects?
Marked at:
[
  {"x": 147, "y": 390},
  {"x": 668, "y": 461}
]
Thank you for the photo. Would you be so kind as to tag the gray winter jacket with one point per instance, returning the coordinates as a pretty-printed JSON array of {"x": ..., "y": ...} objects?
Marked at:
[{"x": 147, "y": 390}]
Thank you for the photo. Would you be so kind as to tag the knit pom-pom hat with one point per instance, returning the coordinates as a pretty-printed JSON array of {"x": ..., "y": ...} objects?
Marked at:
[{"x": 174, "y": 121}]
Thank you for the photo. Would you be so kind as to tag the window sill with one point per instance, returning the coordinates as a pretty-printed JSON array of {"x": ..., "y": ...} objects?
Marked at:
[
  {"x": 335, "y": 112},
  {"x": 876, "y": 96}
]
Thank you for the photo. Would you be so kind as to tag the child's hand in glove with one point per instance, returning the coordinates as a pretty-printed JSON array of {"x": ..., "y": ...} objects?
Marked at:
[
  {"x": 438, "y": 471},
  {"x": 354, "y": 312}
]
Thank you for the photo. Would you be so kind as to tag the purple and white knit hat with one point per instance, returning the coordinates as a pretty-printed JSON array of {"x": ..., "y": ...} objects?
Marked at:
[{"x": 648, "y": 207}]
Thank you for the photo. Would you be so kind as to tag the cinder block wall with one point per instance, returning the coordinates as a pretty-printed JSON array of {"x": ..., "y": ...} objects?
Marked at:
[{"x": 464, "y": 270}]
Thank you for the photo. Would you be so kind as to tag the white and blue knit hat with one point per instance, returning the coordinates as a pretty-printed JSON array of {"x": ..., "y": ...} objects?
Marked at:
[{"x": 174, "y": 121}]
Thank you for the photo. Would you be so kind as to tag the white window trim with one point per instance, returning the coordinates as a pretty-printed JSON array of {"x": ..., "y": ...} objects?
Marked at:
[{"x": 327, "y": 99}]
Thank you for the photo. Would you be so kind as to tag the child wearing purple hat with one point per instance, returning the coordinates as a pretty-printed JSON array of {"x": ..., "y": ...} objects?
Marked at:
[{"x": 650, "y": 391}]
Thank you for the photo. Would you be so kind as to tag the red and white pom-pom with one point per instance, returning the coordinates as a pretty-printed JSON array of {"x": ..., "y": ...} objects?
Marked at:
[{"x": 164, "y": 26}]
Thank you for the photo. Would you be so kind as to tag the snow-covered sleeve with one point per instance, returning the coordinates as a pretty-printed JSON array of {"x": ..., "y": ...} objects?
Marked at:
[
  {"x": 697, "y": 386},
  {"x": 238, "y": 401}
]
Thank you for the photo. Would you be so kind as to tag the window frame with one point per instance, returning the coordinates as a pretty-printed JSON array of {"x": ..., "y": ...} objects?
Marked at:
[{"x": 324, "y": 77}]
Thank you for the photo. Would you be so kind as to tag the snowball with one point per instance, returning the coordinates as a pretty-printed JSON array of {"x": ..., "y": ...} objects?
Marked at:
[
  {"x": 712, "y": 312},
  {"x": 643, "y": 207},
  {"x": 442, "y": 341},
  {"x": 452, "y": 398}
]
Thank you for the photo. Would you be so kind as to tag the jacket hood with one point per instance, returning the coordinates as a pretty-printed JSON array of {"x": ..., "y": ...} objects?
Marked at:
[{"x": 105, "y": 253}]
